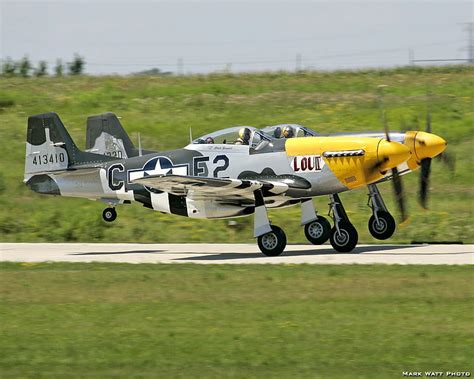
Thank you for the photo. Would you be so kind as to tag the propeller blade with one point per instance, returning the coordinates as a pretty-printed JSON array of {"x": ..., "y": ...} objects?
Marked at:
[
  {"x": 399, "y": 194},
  {"x": 428, "y": 115},
  {"x": 404, "y": 126},
  {"x": 385, "y": 126},
  {"x": 382, "y": 108},
  {"x": 396, "y": 180},
  {"x": 428, "y": 122},
  {"x": 428, "y": 111},
  {"x": 424, "y": 181}
]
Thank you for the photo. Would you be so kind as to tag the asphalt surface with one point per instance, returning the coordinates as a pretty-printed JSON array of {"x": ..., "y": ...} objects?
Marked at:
[{"x": 234, "y": 253}]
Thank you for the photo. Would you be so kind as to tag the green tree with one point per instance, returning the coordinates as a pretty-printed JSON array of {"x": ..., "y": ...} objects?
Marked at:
[
  {"x": 76, "y": 67},
  {"x": 59, "y": 68},
  {"x": 42, "y": 69},
  {"x": 24, "y": 67},
  {"x": 9, "y": 67}
]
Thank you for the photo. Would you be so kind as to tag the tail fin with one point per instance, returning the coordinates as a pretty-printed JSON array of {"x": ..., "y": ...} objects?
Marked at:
[
  {"x": 49, "y": 147},
  {"x": 106, "y": 136}
]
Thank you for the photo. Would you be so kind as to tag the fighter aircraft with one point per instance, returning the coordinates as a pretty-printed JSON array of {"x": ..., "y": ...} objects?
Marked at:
[
  {"x": 230, "y": 173},
  {"x": 105, "y": 135}
]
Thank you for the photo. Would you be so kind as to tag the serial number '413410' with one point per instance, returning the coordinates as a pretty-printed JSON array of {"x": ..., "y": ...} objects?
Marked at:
[{"x": 44, "y": 159}]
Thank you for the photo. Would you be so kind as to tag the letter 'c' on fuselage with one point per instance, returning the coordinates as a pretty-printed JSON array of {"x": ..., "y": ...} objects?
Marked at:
[{"x": 115, "y": 185}]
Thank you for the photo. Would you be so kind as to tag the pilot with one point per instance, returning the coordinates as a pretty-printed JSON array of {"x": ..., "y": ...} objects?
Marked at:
[
  {"x": 288, "y": 132},
  {"x": 209, "y": 140},
  {"x": 244, "y": 137}
]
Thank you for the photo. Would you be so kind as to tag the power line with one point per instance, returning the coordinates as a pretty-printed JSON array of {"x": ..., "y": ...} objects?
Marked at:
[
  {"x": 297, "y": 61},
  {"x": 441, "y": 60},
  {"x": 171, "y": 61},
  {"x": 267, "y": 61},
  {"x": 469, "y": 27}
]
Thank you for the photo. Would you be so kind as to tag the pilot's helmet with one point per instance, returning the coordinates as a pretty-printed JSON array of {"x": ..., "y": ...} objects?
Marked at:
[
  {"x": 277, "y": 132},
  {"x": 244, "y": 134},
  {"x": 288, "y": 132}
]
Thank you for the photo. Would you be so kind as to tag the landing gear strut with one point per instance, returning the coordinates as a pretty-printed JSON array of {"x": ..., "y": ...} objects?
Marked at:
[
  {"x": 271, "y": 239},
  {"x": 109, "y": 214},
  {"x": 343, "y": 235},
  {"x": 316, "y": 228},
  {"x": 381, "y": 223}
]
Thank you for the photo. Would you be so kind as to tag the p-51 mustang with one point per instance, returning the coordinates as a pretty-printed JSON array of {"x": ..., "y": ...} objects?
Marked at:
[{"x": 230, "y": 173}]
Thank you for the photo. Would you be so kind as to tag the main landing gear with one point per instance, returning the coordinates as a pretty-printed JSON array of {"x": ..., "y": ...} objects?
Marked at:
[
  {"x": 271, "y": 239},
  {"x": 381, "y": 223},
  {"x": 272, "y": 243},
  {"x": 343, "y": 235},
  {"x": 109, "y": 214},
  {"x": 317, "y": 229}
]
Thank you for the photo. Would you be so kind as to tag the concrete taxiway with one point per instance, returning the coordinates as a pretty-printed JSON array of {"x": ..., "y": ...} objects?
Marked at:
[{"x": 234, "y": 253}]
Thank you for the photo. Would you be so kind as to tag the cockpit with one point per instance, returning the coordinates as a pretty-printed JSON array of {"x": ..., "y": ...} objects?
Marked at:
[
  {"x": 288, "y": 131},
  {"x": 238, "y": 136},
  {"x": 268, "y": 139}
]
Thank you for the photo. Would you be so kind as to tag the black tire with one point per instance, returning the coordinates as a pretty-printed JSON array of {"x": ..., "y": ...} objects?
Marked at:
[
  {"x": 272, "y": 243},
  {"x": 346, "y": 241},
  {"x": 384, "y": 228},
  {"x": 109, "y": 214},
  {"x": 318, "y": 231}
]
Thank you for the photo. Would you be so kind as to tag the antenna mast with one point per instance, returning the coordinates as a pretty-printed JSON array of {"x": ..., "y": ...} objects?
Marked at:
[{"x": 139, "y": 145}]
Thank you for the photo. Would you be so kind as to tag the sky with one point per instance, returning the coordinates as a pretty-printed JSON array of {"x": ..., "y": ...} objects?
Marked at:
[{"x": 200, "y": 36}]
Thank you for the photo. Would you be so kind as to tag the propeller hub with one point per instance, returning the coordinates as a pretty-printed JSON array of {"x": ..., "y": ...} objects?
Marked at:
[
  {"x": 428, "y": 145},
  {"x": 391, "y": 154}
]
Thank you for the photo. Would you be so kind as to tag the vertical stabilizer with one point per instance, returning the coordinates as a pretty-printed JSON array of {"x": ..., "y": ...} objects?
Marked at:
[
  {"x": 106, "y": 136},
  {"x": 50, "y": 148}
]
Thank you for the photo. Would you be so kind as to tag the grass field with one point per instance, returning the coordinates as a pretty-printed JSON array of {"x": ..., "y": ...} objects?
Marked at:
[
  {"x": 120, "y": 320},
  {"x": 163, "y": 109}
]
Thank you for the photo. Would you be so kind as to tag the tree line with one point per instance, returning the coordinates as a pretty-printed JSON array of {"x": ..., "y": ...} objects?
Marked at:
[{"x": 25, "y": 68}]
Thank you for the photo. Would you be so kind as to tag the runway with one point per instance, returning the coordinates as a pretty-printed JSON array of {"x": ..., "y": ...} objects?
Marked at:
[{"x": 234, "y": 254}]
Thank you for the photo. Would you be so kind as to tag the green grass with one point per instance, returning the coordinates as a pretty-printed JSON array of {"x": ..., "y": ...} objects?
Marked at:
[
  {"x": 106, "y": 320},
  {"x": 163, "y": 109}
]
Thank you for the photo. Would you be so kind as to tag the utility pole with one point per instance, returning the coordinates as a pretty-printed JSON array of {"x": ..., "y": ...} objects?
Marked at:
[
  {"x": 298, "y": 62},
  {"x": 180, "y": 66},
  {"x": 469, "y": 27},
  {"x": 411, "y": 57}
]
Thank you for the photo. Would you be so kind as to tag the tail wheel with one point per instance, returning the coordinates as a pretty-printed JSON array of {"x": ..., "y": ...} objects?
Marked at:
[
  {"x": 344, "y": 240},
  {"x": 384, "y": 228},
  {"x": 318, "y": 231},
  {"x": 109, "y": 214},
  {"x": 272, "y": 243}
]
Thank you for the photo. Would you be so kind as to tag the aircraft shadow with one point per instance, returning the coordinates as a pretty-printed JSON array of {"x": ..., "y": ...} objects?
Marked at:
[
  {"x": 293, "y": 253},
  {"x": 153, "y": 251}
]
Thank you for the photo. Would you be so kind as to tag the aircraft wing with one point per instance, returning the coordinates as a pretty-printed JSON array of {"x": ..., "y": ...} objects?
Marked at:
[{"x": 199, "y": 187}]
